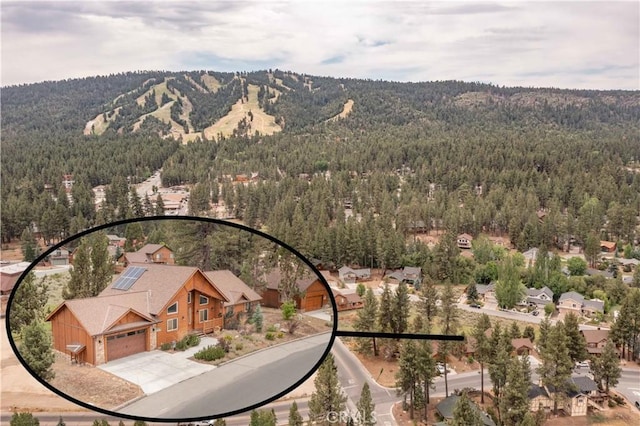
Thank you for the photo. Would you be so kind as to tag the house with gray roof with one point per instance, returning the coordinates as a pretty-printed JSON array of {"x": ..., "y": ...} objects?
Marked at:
[
  {"x": 411, "y": 275},
  {"x": 572, "y": 301},
  {"x": 350, "y": 275},
  {"x": 538, "y": 297}
]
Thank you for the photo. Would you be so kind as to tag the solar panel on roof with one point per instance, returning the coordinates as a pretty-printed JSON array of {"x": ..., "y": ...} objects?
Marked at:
[{"x": 128, "y": 278}]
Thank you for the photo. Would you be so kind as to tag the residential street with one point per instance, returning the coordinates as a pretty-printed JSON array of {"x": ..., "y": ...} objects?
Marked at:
[{"x": 235, "y": 385}]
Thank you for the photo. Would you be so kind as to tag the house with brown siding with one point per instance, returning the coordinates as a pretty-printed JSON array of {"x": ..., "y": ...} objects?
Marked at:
[
  {"x": 150, "y": 253},
  {"x": 147, "y": 305},
  {"x": 242, "y": 298},
  {"x": 312, "y": 293},
  {"x": 346, "y": 300}
]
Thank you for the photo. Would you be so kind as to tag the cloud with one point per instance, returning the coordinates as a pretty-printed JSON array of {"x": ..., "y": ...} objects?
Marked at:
[{"x": 559, "y": 44}]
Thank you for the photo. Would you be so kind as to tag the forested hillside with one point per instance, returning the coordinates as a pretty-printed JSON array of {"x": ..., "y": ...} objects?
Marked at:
[{"x": 466, "y": 157}]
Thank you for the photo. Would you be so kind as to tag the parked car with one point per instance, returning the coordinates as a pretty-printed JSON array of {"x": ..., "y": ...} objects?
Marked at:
[
  {"x": 535, "y": 313},
  {"x": 637, "y": 405},
  {"x": 475, "y": 305},
  {"x": 582, "y": 364},
  {"x": 440, "y": 368}
]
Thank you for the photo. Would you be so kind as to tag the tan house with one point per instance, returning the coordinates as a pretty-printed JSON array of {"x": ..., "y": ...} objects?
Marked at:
[
  {"x": 539, "y": 399},
  {"x": 596, "y": 340},
  {"x": 349, "y": 275},
  {"x": 464, "y": 241},
  {"x": 147, "y": 305},
  {"x": 576, "y": 303}
]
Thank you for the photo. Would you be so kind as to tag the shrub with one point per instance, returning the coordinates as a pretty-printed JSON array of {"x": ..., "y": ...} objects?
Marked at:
[
  {"x": 269, "y": 335},
  {"x": 288, "y": 310},
  {"x": 272, "y": 329},
  {"x": 181, "y": 345},
  {"x": 239, "y": 346},
  {"x": 210, "y": 353},
  {"x": 280, "y": 335},
  {"x": 224, "y": 344},
  {"x": 193, "y": 340},
  {"x": 165, "y": 346}
]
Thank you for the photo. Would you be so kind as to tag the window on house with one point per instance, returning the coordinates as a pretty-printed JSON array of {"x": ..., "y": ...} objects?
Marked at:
[
  {"x": 247, "y": 306},
  {"x": 158, "y": 256},
  {"x": 204, "y": 315},
  {"x": 189, "y": 298},
  {"x": 172, "y": 324},
  {"x": 173, "y": 309},
  {"x": 204, "y": 300}
]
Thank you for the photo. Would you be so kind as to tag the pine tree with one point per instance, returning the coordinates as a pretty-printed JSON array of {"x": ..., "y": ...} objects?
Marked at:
[
  {"x": 515, "y": 400},
  {"x": 328, "y": 396},
  {"x": 556, "y": 366},
  {"x": 514, "y": 331},
  {"x": 544, "y": 331},
  {"x": 263, "y": 418},
  {"x": 101, "y": 266},
  {"x": 78, "y": 285},
  {"x": 426, "y": 369},
  {"x": 465, "y": 413},
  {"x": 24, "y": 419},
  {"x": 576, "y": 343},
  {"x": 28, "y": 302},
  {"x": 483, "y": 349},
  {"x": 606, "y": 367},
  {"x": 159, "y": 210},
  {"x": 36, "y": 350},
  {"x": 366, "y": 407},
  {"x": 91, "y": 271},
  {"x": 509, "y": 289},
  {"x": 500, "y": 362},
  {"x": 29, "y": 246},
  {"x": 529, "y": 332},
  {"x": 295, "y": 418},
  {"x": 449, "y": 319},
  {"x": 428, "y": 306},
  {"x": 366, "y": 322},
  {"x": 400, "y": 309},
  {"x": 407, "y": 377},
  {"x": 385, "y": 311},
  {"x": 258, "y": 319}
]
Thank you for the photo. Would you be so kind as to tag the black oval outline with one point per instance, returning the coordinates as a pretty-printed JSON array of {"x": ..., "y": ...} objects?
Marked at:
[{"x": 172, "y": 420}]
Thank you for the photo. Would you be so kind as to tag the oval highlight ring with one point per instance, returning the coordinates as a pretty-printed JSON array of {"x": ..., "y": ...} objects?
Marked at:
[{"x": 194, "y": 318}]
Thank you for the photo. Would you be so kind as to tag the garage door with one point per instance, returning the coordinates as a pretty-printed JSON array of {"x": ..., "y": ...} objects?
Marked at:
[
  {"x": 313, "y": 303},
  {"x": 125, "y": 344}
]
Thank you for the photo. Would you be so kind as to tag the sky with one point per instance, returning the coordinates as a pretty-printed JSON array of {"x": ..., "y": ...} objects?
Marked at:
[{"x": 562, "y": 44}]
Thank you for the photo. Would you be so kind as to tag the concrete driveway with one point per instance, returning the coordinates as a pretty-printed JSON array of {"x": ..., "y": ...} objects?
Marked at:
[{"x": 157, "y": 370}]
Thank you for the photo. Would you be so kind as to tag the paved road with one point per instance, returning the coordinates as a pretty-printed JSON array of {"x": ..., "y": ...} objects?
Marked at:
[
  {"x": 519, "y": 316},
  {"x": 235, "y": 385}
]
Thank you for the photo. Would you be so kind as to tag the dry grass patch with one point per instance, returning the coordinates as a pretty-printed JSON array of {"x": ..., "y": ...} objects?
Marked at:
[
  {"x": 92, "y": 385},
  {"x": 211, "y": 82},
  {"x": 346, "y": 110},
  {"x": 262, "y": 122}
]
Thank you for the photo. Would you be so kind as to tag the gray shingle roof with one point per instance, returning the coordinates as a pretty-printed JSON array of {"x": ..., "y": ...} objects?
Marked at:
[{"x": 573, "y": 296}]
